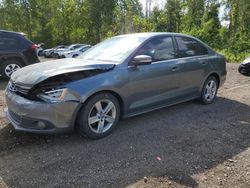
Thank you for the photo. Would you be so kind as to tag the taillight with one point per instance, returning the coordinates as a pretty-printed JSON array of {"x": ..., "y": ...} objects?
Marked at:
[{"x": 34, "y": 46}]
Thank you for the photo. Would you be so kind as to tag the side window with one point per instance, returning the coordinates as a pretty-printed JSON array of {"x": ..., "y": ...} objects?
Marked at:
[
  {"x": 159, "y": 49},
  {"x": 83, "y": 49},
  {"x": 8, "y": 43},
  {"x": 76, "y": 46},
  {"x": 189, "y": 47}
]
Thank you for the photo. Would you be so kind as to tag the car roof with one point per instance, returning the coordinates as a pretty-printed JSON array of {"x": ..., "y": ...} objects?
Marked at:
[
  {"x": 85, "y": 46},
  {"x": 77, "y": 44},
  {"x": 11, "y": 32},
  {"x": 152, "y": 34}
]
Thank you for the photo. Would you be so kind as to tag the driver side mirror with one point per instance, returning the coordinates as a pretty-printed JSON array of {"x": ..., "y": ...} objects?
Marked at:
[{"x": 142, "y": 60}]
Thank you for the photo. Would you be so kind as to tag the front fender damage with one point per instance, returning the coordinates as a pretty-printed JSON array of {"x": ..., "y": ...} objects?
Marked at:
[{"x": 60, "y": 80}]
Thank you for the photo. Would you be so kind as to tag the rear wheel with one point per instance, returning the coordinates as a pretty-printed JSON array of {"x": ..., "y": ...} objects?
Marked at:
[
  {"x": 209, "y": 90},
  {"x": 99, "y": 116},
  {"x": 40, "y": 53},
  {"x": 8, "y": 67}
]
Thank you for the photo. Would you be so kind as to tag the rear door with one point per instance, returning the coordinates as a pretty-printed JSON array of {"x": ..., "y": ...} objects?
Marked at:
[
  {"x": 193, "y": 63},
  {"x": 155, "y": 84}
]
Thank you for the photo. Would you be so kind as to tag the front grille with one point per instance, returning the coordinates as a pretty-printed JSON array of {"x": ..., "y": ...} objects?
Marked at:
[
  {"x": 15, "y": 117},
  {"x": 22, "y": 90},
  {"x": 19, "y": 89}
]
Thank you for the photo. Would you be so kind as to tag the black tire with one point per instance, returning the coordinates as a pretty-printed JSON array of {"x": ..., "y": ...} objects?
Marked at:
[
  {"x": 40, "y": 53},
  {"x": 74, "y": 56},
  {"x": 84, "y": 128},
  {"x": 205, "y": 100},
  {"x": 5, "y": 64},
  {"x": 49, "y": 56}
]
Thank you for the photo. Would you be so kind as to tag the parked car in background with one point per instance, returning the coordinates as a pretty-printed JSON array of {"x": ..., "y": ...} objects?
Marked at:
[
  {"x": 48, "y": 52},
  {"x": 244, "y": 67},
  {"x": 58, "y": 53},
  {"x": 40, "y": 49},
  {"x": 74, "y": 53},
  {"x": 121, "y": 77},
  {"x": 15, "y": 52}
]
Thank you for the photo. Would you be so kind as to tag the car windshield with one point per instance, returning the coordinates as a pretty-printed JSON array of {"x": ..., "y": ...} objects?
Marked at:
[
  {"x": 115, "y": 49},
  {"x": 71, "y": 47}
]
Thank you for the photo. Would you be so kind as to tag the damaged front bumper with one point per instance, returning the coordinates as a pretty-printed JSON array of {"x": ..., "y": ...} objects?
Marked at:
[{"x": 40, "y": 117}]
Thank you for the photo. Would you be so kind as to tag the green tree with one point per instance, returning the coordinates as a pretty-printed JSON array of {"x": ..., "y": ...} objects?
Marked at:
[
  {"x": 173, "y": 15},
  {"x": 98, "y": 17},
  {"x": 210, "y": 26},
  {"x": 127, "y": 15},
  {"x": 194, "y": 11},
  {"x": 157, "y": 20}
]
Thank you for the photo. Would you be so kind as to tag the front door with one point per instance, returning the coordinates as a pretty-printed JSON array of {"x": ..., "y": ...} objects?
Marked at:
[{"x": 156, "y": 84}]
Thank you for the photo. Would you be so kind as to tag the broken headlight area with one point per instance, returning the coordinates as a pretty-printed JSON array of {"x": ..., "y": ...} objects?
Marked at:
[
  {"x": 53, "y": 95},
  {"x": 56, "y": 95},
  {"x": 21, "y": 90},
  {"x": 44, "y": 94}
]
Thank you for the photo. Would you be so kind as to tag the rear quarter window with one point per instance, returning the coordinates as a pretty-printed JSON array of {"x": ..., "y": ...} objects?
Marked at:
[{"x": 24, "y": 41}]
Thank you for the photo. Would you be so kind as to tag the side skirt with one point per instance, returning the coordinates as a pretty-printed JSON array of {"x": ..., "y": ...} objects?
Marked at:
[{"x": 159, "y": 107}]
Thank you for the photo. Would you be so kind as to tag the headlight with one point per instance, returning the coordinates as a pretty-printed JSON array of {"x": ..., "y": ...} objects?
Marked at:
[{"x": 53, "y": 95}]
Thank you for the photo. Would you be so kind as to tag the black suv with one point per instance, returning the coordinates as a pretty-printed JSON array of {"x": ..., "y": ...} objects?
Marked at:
[{"x": 15, "y": 52}]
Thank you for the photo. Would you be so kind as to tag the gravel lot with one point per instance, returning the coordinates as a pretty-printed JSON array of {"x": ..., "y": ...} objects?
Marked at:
[{"x": 187, "y": 145}]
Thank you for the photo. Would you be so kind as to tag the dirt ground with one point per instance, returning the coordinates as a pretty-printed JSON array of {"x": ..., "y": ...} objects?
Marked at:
[{"x": 187, "y": 145}]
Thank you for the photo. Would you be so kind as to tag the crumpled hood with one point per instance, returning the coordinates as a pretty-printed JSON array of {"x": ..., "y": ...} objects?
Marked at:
[{"x": 36, "y": 73}]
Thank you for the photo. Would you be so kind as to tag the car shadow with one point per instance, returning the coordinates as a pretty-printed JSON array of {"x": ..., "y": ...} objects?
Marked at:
[
  {"x": 175, "y": 142},
  {"x": 3, "y": 83}
]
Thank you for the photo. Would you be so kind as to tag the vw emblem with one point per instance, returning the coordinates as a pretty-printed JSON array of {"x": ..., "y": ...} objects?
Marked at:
[{"x": 12, "y": 87}]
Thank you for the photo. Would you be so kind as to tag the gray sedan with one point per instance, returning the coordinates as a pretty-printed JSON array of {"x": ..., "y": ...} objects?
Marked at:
[{"x": 121, "y": 77}]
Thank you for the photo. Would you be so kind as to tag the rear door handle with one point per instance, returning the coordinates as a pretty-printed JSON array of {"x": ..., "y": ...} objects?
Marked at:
[
  {"x": 203, "y": 63},
  {"x": 175, "y": 68}
]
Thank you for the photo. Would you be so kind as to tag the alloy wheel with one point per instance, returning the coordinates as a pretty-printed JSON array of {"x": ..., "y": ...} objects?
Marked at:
[
  {"x": 10, "y": 69},
  {"x": 210, "y": 90},
  {"x": 102, "y": 116}
]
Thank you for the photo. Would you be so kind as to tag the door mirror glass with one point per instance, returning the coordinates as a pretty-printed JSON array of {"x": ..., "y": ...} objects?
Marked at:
[{"x": 142, "y": 60}]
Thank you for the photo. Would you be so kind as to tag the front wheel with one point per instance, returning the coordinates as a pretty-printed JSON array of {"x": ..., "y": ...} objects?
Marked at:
[
  {"x": 99, "y": 116},
  {"x": 209, "y": 90},
  {"x": 8, "y": 67}
]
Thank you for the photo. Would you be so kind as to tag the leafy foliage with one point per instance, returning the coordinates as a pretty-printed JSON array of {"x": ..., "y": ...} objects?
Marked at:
[{"x": 89, "y": 21}]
